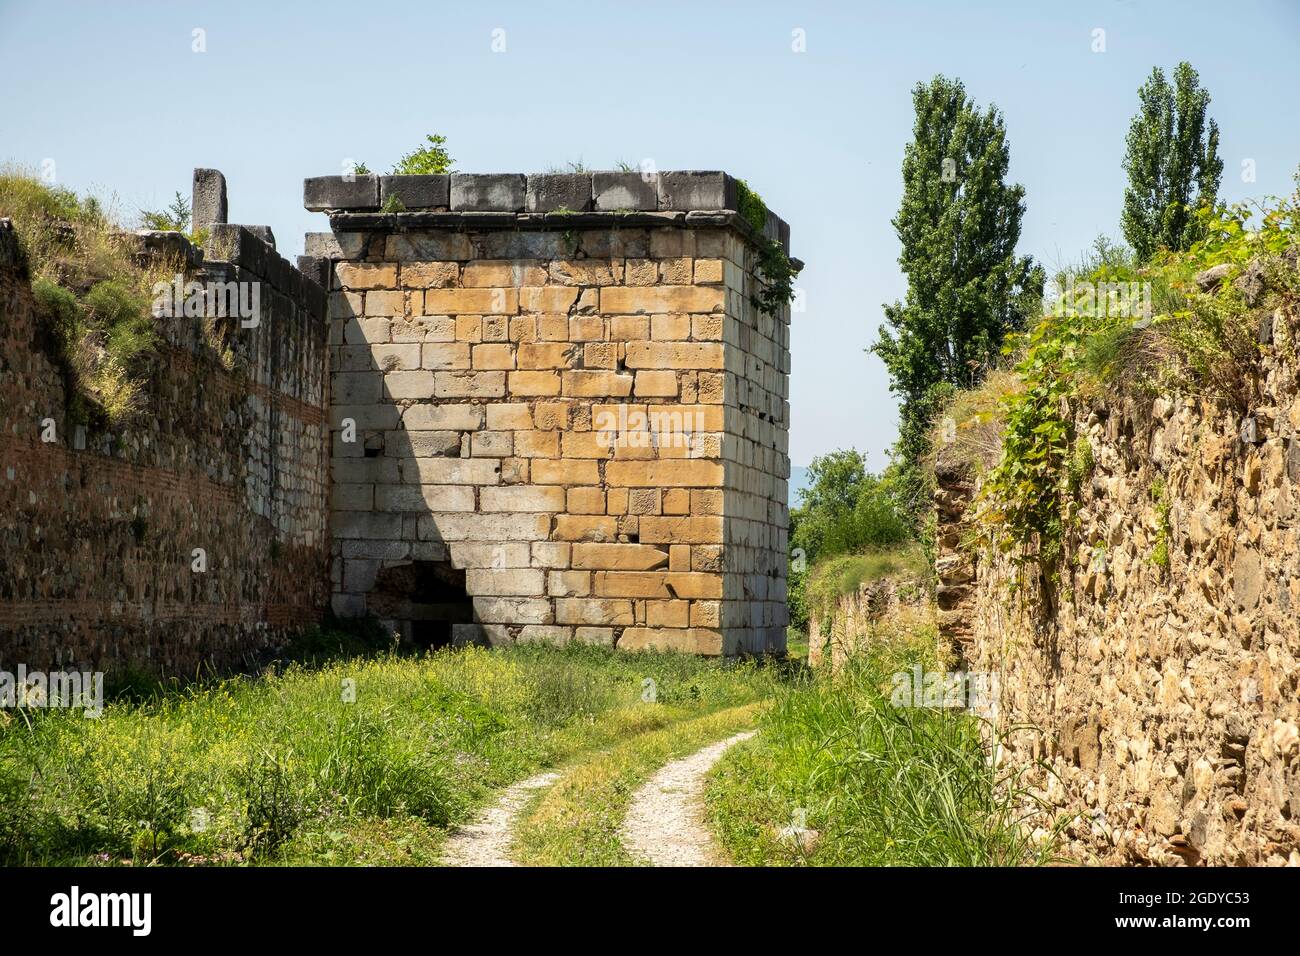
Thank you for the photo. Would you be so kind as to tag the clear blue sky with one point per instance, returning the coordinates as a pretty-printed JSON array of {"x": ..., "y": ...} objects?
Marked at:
[{"x": 113, "y": 93}]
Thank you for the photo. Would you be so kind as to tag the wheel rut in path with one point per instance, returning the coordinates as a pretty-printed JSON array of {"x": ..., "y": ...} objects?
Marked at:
[
  {"x": 665, "y": 824},
  {"x": 486, "y": 841}
]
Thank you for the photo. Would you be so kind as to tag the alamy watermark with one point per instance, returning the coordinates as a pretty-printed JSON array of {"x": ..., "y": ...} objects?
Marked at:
[
  {"x": 1131, "y": 300},
  {"x": 967, "y": 690},
  {"x": 208, "y": 300},
  {"x": 55, "y": 689},
  {"x": 631, "y": 427},
  {"x": 74, "y": 908}
]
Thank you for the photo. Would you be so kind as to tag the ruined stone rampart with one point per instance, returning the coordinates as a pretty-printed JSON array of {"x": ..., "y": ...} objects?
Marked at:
[
  {"x": 227, "y": 453},
  {"x": 1159, "y": 684}
]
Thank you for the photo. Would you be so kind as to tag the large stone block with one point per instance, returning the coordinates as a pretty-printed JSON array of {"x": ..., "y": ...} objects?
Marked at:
[
  {"x": 397, "y": 193},
  {"x": 356, "y": 193},
  {"x": 551, "y": 634},
  {"x": 469, "y": 384},
  {"x": 450, "y": 471},
  {"x": 428, "y": 246},
  {"x": 471, "y": 301},
  {"x": 693, "y": 189},
  {"x": 487, "y": 192},
  {"x": 551, "y": 192},
  {"x": 363, "y": 524},
  {"x": 620, "y": 557},
  {"x": 468, "y": 554},
  {"x": 446, "y": 355},
  {"x": 484, "y": 527},
  {"x": 681, "y": 530},
  {"x": 565, "y": 472},
  {"x": 323, "y": 245},
  {"x": 656, "y": 584},
  {"x": 594, "y": 612},
  {"x": 688, "y": 640},
  {"x": 615, "y": 191},
  {"x": 208, "y": 205},
  {"x": 522, "y": 498},
  {"x": 624, "y": 300},
  {"x": 510, "y": 610},
  {"x": 512, "y": 582},
  {"x": 424, "y": 498},
  {"x": 675, "y": 355}
]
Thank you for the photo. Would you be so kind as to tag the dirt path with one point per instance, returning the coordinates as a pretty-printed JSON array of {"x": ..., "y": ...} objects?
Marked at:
[
  {"x": 486, "y": 841},
  {"x": 665, "y": 824}
]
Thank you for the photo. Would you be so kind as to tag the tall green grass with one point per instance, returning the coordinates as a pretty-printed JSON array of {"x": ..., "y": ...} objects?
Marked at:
[
  {"x": 368, "y": 760},
  {"x": 882, "y": 785},
  {"x": 93, "y": 297}
]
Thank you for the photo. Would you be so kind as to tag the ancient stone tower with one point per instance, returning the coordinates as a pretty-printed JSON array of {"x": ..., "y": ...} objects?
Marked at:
[{"x": 558, "y": 411}]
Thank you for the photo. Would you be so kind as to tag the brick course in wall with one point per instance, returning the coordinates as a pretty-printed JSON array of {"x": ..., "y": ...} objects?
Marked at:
[{"x": 557, "y": 413}]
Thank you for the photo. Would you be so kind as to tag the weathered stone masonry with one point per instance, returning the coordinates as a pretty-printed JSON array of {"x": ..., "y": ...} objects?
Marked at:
[
  {"x": 507, "y": 349},
  {"x": 1157, "y": 703},
  {"x": 97, "y": 528},
  {"x": 570, "y": 425}
]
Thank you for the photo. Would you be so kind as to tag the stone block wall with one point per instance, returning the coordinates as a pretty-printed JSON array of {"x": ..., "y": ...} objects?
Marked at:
[
  {"x": 1159, "y": 684},
  {"x": 557, "y": 413},
  {"x": 227, "y": 453}
]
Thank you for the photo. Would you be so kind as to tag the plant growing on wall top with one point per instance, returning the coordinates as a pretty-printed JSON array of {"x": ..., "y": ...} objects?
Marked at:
[
  {"x": 773, "y": 262},
  {"x": 175, "y": 218},
  {"x": 93, "y": 298},
  {"x": 570, "y": 166},
  {"x": 426, "y": 160},
  {"x": 1200, "y": 340}
]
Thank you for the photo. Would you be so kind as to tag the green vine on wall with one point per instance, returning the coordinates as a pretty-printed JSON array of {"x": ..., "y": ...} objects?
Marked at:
[
  {"x": 1199, "y": 339},
  {"x": 1022, "y": 494},
  {"x": 773, "y": 261},
  {"x": 1164, "y": 526}
]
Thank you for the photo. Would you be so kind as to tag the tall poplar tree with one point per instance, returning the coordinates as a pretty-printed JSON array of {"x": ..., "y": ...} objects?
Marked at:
[
  {"x": 959, "y": 223},
  {"x": 1172, "y": 161}
]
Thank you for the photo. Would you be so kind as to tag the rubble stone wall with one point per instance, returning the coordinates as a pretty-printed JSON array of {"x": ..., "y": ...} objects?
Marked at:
[{"x": 1160, "y": 682}]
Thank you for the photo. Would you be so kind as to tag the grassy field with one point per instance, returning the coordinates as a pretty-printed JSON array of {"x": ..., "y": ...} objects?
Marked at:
[
  {"x": 882, "y": 785},
  {"x": 366, "y": 761},
  {"x": 373, "y": 760}
]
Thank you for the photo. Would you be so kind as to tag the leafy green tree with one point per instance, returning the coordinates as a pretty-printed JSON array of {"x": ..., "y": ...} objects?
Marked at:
[
  {"x": 833, "y": 481},
  {"x": 1172, "y": 161},
  {"x": 958, "y": 223},
  {"x": 426, "y": 160},
  {"x": 845, "y": 509}
]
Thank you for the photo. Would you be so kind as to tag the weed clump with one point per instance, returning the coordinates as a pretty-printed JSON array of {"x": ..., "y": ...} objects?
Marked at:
[{"x": 92, "y": 296}]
